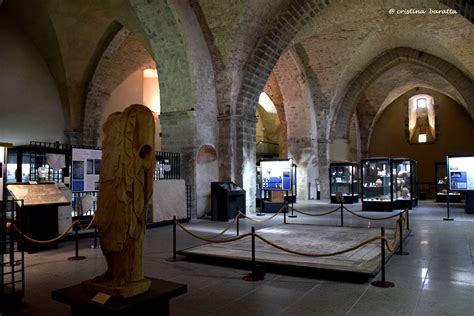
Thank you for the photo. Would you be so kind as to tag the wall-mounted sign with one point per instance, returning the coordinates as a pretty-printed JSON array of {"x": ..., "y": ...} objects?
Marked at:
[
  {"x": 276, "y": 174},
  {"x": 85, "y": 169},
  {"x": 461, "y": 173}
]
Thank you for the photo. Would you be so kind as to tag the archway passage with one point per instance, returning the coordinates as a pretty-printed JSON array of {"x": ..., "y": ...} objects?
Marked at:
[{"x": 388, "y": 60}]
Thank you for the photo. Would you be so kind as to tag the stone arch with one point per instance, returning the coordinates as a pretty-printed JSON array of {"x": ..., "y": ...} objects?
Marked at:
[
  {"x": 391, "y": 58},
  {"x": 122, "y": 56},
  {"x": 188, "y": 104},
  {"x": 255, "y": 74},
  {"x": 298, "y": 104}
]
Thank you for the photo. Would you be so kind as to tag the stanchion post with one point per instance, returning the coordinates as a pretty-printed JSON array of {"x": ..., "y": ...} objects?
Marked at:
[
  {"x": 253, "y": 250},
  {"x": 342, "y": 215},
  {"x": 77, "y": 257},
  {"x": 174, "y": 258},
  {"x": 95, "y": 246},
  {"x": 408, "y": 219},
  {"x": 383, "y": 283},
  {"x": 238, "y": 226},
  {"x": 174, "y": 238},
  {"x": 383, "y": 255},
  {"x": 400, "y": 227},
  {"x": 284, "y": 214}
]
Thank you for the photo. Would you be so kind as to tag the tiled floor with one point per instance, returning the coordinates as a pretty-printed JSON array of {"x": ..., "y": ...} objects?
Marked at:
[{"x": 436, "y": 278}]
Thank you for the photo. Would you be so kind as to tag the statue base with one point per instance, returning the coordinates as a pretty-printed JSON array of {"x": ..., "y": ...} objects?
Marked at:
[
  {"x": 155, "y": 299},
  {"x": 125, "y": 290}
]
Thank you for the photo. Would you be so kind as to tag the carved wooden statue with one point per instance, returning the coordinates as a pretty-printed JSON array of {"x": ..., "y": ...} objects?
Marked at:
[{"x": 126, "y": 186}]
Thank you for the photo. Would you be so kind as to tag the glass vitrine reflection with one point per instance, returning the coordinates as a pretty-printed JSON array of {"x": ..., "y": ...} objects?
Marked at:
[
  {"x": 376, "y": 179},
  {"x": 404, "y": 180},
  {"x": 343, "y": 178}
]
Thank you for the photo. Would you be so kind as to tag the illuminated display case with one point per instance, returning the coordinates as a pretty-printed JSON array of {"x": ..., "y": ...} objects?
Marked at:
[
  {"x": 404, "y": 183},
  {"x": 343, "y": 177},
  {"x": 376, "y": 179},
  {"x": 441, "y": 181}
]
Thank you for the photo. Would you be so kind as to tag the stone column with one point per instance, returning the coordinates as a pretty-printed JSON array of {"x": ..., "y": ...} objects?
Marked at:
[
  {"x": 245, "y": 158},
  {"x": 178, "y": 135}
]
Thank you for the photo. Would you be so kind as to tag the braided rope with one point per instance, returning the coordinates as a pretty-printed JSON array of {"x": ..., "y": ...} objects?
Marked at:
[
  {"x": 374, "y": 218},
  {"x": 211, "y": 240},
  {"x": 329, "y": 254},
  {"x": 266, "y": 219},
  {"x": 10, "y": 226},
  {"x": 88, "y": 225},
  {"x": 228, "y": 227},
  {"x": 319, "y": 214}
]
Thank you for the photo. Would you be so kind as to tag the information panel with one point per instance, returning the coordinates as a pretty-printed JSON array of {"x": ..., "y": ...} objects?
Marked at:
[
  {"x": 276, "y": 174},
  {"x": 461, "y": 173},
  {"x": 85, "y": 169}
]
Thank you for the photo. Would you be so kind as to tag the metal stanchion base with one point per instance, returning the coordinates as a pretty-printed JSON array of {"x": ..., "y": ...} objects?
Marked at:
[
  {"x": 292, "y": 216},
  {"x": 403, "y": 253},
  {"x": 382, "y": 284},
  {"x": 178, "y": 258},
  {"x": 95, "y": 247},
  {"x": 448, "y": 219},
  {"x": 76, "y": 258},
  {"x": 258, "y": 274},
  {"x": 253, "y": 277},
  {"x": 259, "y": 214}
]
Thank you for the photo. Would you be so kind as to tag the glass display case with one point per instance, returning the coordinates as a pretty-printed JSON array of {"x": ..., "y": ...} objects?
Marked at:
[
  {"x": 441, "y": 180},
  {"x": 376, "y": 179},
  {"x": 343, "y": 177},
  {"x": 404, "y": 183}
]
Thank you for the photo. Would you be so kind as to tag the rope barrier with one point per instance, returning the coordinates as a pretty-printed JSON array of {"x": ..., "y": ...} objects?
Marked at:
[
  {"x": 390, "y": 247},
  {"x": 88, "y": 225},
  {"x": 263, "y": 220},
  {"x": 228, "y": 227},
  {"x": 374, "y": 218},
  {"x": 319, "y": 214},
  {"x": 9, "y": 225},
  {"x": 318, "y": 254},
  {"x": 212, "y": 240}
]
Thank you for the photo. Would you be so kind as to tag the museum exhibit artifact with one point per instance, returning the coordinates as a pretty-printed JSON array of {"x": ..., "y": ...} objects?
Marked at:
[
  {"x": 404, "y": 183},
  {"x": 227, "y": 199},
  {"x": 39, "y": 212},
  {"x": 278, "y": 183},
  {"x": 343, "y": 177},
  {"x": 376, "y": 178},
  {"x": 126, "y": 186}
]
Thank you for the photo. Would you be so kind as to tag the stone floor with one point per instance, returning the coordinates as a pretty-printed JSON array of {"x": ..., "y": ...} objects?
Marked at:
[{"x": 436, "y": 278}]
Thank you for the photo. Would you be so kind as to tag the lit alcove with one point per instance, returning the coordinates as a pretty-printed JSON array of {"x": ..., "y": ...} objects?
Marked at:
[
  {"x": 141, "y": 87},
  {"x": 421, "y": 119},
  {"x": 151, "y": 98},
  {"x": 268, "y": 134}
]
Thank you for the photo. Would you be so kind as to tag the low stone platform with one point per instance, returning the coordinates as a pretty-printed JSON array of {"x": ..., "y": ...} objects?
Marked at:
[{"x": 364, "y": 261}]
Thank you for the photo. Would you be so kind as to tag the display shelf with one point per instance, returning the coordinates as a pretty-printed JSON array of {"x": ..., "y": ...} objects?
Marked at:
[
  {"x": 376, "y": 180},
  {"x": 404, "y": 183},
  {"x": 343, "y": 177}
]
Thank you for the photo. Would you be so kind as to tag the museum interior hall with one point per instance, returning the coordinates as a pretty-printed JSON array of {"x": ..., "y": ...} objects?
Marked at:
[{"x": 237, "y": 157}]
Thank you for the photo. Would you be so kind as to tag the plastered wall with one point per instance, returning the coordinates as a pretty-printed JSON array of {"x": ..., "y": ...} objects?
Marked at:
[{"x": 30, "y": 107}]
